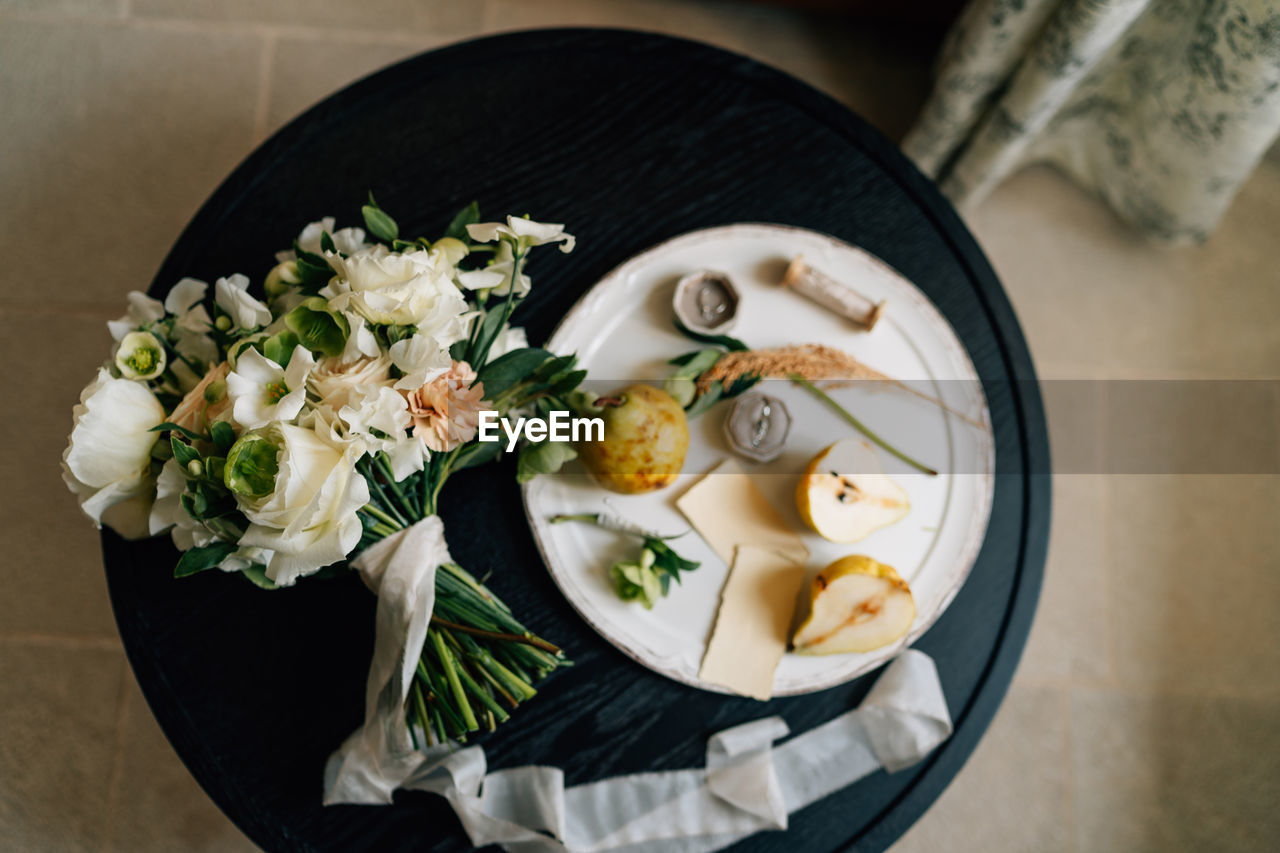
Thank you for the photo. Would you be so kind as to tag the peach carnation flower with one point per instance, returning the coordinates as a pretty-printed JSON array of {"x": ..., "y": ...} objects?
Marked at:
[
  {"x": 196, "y": 411},
  {"x": 446, "y": 410}
]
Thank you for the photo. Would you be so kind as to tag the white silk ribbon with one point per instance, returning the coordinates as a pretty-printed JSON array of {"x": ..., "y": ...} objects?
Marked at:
[{"x": 747, "y": 784}]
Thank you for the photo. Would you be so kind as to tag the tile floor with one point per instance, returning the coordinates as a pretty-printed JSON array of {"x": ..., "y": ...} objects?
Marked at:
[{"x": 1146, "y": 712}]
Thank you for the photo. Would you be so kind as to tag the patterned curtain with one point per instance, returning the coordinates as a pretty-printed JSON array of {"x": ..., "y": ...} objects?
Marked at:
[{"x": 1162, "y": 107}]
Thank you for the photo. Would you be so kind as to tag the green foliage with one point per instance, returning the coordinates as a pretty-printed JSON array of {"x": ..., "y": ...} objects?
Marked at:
[
  {"x": 257, "y": 575},
  {"x": 279, "y": 347},
  {"x": 649, "y": 577},
  {"x": 729, "y": 343},
  {"x": 380, "y": 225},
  {"x": 184, "y": 453},
  {"x": 205, "y": 557},
  {"x": 510, "y": 368},
  {"x": 457, "y": 229},
  {"x": 169, "y": 426},
  {"x": 318, "y": 328},
  {"x": 544, "y": 457},
  {"x": 223, "y": 435},
  {"x": 313, "y": 270}
]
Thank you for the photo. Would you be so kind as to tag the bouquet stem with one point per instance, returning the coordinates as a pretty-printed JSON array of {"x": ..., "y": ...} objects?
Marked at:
[{"x": 477, "y": 655}]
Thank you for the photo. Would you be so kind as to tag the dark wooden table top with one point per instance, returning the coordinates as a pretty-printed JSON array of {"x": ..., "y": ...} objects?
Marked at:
[{"x": 630, "y": 139}]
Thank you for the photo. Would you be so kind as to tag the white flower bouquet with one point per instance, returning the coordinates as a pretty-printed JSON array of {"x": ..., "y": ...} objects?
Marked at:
[{"x": 281, "y": 433}]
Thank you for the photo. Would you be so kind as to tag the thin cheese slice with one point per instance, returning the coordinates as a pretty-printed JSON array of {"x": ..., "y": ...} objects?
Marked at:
[
  {"x": 728, "y": 510},
  {"x": 754, "y": 620}
]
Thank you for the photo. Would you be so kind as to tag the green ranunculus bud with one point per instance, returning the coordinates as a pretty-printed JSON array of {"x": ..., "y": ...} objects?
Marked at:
[
  {"x": 215, "y": 391},
  {"x": 281, "y": 278},
  {"x": 141, "y": 356},
  {"x": 223, "y": 323},
  {"x": 319, "y": 328},
  {"x": 252, "y": 466}
]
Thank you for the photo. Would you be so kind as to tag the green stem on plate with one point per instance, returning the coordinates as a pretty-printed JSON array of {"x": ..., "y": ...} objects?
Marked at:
[{"x": 859, "y": 425}]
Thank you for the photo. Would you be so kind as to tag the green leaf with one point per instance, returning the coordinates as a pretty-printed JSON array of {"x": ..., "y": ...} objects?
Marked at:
[
  {"x": 457, "y": 229},
  {"x": 545, "y": 457},
  {"x": 184, "y": 453},
  {"x": 169, "y": 426},
  {"x": 223, "y": 435},
  {"x": 567, "y": 381},
  {"x": 742, "y": 383},
  {"x": 379, "y": 223},
  {"x": 205, "y": 557},
  {"x": 725, "y": 341},
  {"x": 490, "y": 328},
  {"x": 476, "y": 453},
  {"x": 257, "y": 575},
  {"x": 326, "y": 243},
  {"x": 508, "y": 369},
  {"x": 279, "y": 347},
  {"x": 458, "y": 352},
  {"x": 692, "y": 364},
  {"x": 318, "y": 328},
  {"x": 555, "y": 367},
  {"x": 705, "y": 400},
  {"x": 313, "y": 269}
]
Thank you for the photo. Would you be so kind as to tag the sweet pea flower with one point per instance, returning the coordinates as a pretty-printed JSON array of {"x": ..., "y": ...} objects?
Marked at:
[
  {"x": 191, "y": 323},
  {"x": 523, "y": 232},
  {"x": 142, "y": 311},
  {"x": 420, "y": 359},
  {"x": 262, "y": 391},
  {"x": 232, "y": 296}
]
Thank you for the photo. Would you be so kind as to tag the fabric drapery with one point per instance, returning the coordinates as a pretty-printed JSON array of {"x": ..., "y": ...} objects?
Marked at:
[{"x": 1161, "y": 107}]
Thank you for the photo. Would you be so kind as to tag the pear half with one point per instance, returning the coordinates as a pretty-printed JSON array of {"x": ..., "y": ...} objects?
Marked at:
[
  {"x": 855, "y": 605},
  {"x": 845, "y": 495}
]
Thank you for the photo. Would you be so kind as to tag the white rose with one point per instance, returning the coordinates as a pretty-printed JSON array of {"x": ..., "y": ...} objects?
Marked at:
[
  {"x": 305, "y": 511},
  {"x": 399, "y": 289},
  {"x": 333, "y": 380},
  {"x": 107, "y": 463}
]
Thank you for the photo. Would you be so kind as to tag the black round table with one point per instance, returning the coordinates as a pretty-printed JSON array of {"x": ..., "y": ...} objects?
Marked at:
[{"x": 630, "y": 139}]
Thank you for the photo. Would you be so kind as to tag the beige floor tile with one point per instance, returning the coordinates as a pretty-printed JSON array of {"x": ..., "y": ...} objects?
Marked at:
[
  {"x": 113, "y": 137},
  {"x": 58, "y": 711},
  {"x": 95, "y": 8},
  {"x": 51, "y": 573},
  {"x": 1195, "y": 582},
  {"x": 160, "y": 807},
  {"x": 1166, "y": 774},
  {"x": 1070, "y": 639},
  {"x": 1012, "y": 795},
  {"x": 1091, "y": 292},
  {"x": 304, "y": 71},
  {"x": 441, "y": 16}
]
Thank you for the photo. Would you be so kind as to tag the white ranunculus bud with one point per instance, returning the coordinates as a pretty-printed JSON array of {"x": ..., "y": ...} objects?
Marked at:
[{"x": 301, "y": 494}]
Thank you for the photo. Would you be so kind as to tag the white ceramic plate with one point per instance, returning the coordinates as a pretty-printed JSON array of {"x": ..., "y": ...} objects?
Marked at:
[{"x": 622, "y": 332}]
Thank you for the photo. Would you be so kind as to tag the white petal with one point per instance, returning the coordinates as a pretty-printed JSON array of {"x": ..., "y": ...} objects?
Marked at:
[{"x": 185, "y": 294}]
